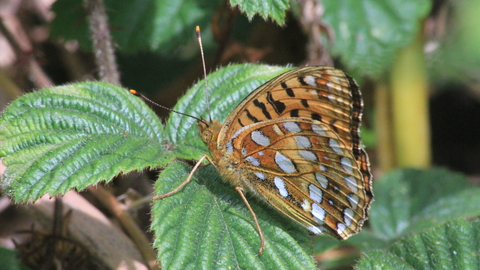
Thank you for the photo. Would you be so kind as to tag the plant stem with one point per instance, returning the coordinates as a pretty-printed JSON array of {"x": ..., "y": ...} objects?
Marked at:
[
  {"x": 383, "y": 127},
  {"x": 409, "y": 88},
  {"x": 102, "y": 42},
  {"x": 128, "y": 224}
]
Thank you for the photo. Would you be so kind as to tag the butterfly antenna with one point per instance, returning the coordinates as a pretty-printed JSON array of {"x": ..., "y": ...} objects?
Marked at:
[
  {"x": 199, "y": 39},
  {"x": 135, "y": 93}
]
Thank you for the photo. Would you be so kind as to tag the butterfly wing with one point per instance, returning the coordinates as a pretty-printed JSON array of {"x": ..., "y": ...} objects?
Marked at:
[
  {"x": 320, "y": 93},
  {"x": 303, "y": 168}
]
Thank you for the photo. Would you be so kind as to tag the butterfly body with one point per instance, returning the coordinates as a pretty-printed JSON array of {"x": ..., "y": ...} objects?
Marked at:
[{"x": 294, "y": 143}]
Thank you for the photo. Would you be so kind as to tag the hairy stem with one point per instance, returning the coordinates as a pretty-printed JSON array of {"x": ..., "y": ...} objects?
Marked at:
[{"x": 102, "y": 42}]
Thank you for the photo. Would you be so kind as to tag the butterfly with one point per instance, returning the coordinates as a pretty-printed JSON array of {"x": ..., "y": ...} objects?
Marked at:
[{"x": 294, "y": 142}]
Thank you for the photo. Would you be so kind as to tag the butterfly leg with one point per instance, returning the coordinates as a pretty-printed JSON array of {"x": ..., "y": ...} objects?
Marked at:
[
  {"x": 260, "y": 232},
  {"x": 199, "y": 162}
]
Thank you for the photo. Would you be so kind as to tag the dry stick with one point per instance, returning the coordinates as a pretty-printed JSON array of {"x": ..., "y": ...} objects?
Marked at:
[
  {"x": 312, "y": 25},
  {"x": 222, "y": 25},
  {"x": 38, "y": 77},
  {"x": 128, "y": 224},
  {"x": 57, "y": 226},
  {"x": 102, "y": 42}
]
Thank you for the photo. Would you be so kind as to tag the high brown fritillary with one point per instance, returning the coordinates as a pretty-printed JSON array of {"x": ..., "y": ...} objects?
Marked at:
[{"x": 294, "y": 143}]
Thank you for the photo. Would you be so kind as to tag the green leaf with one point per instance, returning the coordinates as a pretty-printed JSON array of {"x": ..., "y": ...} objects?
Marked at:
[
  {"x": 453, "y": 245},
  {"x": 274, "y": 9},
  {"x": 368, "y": 33},
  {"x": 10, "y": 261},
  {"x": 409, "y": 201},
  {"x": 74, "y": 136},
  {"x": 227, "y": 87},
  {"x": 137, "y": 25},
  {"x": 455, "y": 55},
  {"x": 207, "y": 226}
]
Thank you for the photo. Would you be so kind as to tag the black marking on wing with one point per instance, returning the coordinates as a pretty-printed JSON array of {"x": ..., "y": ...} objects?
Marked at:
[
  {"x": 263, "y": 108},
  {"x": 302, "y": 81},
  {"x": 240, "y": 122},
  {"x": 294, "y": 113},
  {"x": 305, "y": 103},
  {"x": 288, "y": 90},
  {"x": 277, "y": 105},
  {"x": 316, "y": 116},
  {"x": 251, "y": 117},
  {"x": 332, "y": 124}
]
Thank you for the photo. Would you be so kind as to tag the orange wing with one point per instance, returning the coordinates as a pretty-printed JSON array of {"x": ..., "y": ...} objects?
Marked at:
[
  {"x": 320, "y": 93},
  {"x": 303, "y": 168}
]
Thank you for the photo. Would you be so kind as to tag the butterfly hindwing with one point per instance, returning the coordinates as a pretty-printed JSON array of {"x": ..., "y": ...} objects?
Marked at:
[{"x": 303, "y": 169}]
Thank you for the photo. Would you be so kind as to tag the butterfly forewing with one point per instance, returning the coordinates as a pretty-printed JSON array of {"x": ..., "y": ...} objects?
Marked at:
[
  {"x": 294, "y": 141},
  {"x": 320, "y": 93}
]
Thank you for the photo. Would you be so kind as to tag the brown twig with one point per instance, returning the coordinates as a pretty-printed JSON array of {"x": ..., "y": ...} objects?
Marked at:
[
  {"x": 222, "y": 25},
  {"x": 128, "y": 224},
  {"x": 312, "y": 25},
  {"x": 57, "y": 227},
  {"x": 38, "y": 77}
]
